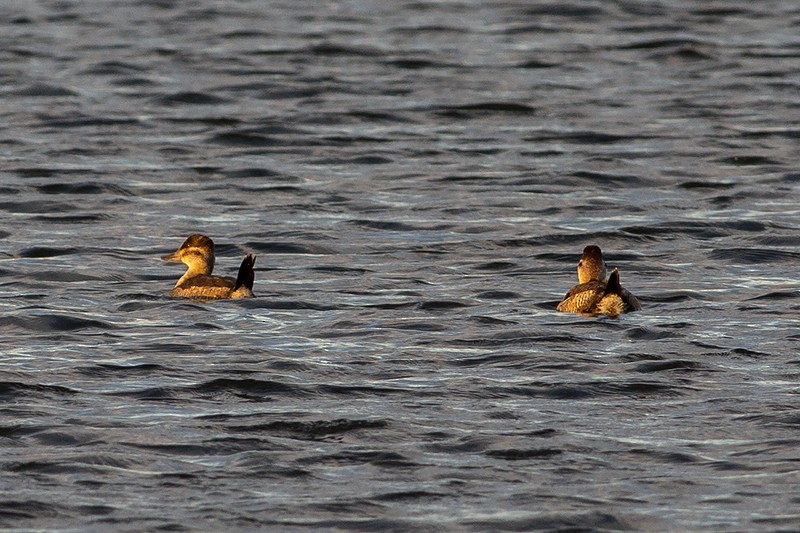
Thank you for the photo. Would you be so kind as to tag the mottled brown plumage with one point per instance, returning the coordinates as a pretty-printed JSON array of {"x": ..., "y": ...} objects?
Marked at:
[
  {"x": 197, "y": 252},
  {"x": 594, "y": 294}
]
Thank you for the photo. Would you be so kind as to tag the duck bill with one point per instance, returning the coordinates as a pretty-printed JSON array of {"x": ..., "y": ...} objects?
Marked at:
[{"x": 172, "y": 257}]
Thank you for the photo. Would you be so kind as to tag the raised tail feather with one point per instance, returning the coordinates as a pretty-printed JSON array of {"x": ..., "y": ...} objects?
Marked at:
[
  {"x": 246, "y": 275},
  {"x": 613, "y": 285},
  {"x": 612, "y": 302}
]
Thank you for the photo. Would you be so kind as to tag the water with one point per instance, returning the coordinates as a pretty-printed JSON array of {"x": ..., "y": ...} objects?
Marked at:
[{"x": 417, "y": 181}]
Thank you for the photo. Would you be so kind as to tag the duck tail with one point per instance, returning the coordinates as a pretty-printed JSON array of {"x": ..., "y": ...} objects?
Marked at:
[
  {"x": 246, "y": 275},
  {"x": 613, "y": 285},
  {"x": 612, "y": 303}
]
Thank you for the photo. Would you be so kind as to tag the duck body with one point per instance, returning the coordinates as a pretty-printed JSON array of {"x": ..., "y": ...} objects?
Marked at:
[
  {"x": 594, "y": 294},
  {"x": 197, "y": 252}
]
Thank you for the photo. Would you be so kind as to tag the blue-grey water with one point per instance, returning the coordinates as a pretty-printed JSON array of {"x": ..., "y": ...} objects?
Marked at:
[{"x": 417, "y": 180}]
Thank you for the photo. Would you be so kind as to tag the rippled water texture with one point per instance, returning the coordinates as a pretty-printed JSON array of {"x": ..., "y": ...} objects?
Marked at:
[{"x": 417, "y": 180}]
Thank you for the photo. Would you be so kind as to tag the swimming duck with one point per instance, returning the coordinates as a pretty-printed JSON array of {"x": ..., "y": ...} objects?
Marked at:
[
  {"x": 594, "y": 294},
  {"x": 197, "y": 251}
]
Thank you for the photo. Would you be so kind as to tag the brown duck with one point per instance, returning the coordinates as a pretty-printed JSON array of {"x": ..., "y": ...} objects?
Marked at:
[
  {"x": 594, "y": 295},
  {"x": 197, "y": 252}
]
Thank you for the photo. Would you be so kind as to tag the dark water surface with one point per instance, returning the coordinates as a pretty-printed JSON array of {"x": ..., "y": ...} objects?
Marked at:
[{"x": 418, "y": 180}]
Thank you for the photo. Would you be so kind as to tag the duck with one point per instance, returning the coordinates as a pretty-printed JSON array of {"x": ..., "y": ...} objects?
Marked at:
[
  {"x": 594, "y": 294},
  {"x": 197, "y": 252}
]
